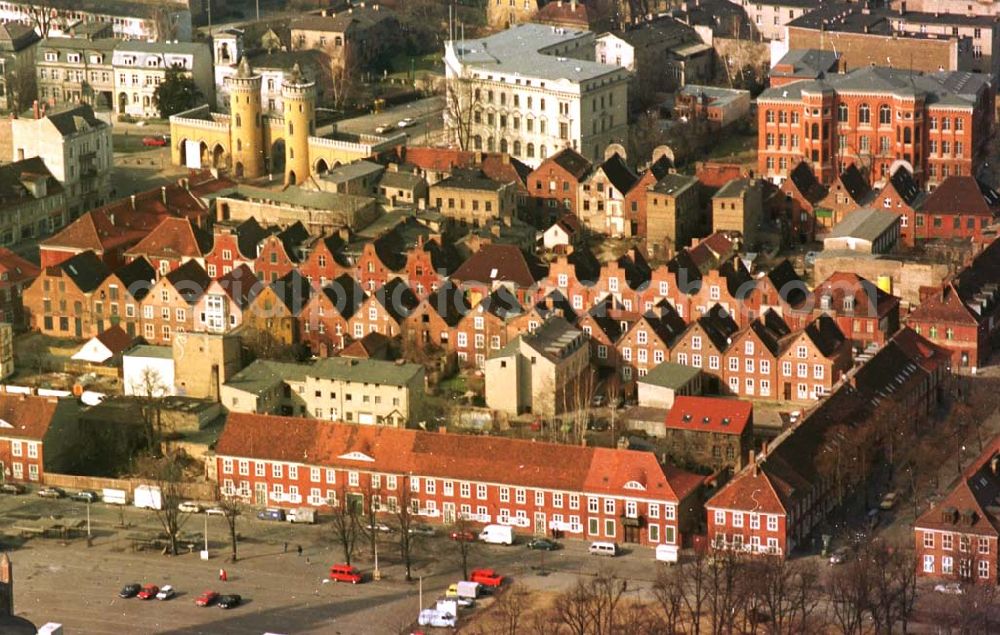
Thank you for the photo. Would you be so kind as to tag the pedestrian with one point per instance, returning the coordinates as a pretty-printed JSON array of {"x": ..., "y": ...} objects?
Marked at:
[
  {"x": 299, "y": 549},
  {"x": 286, "y": 548},
  {"x": 225, "y": 576},
  {"x": 222, "y": 574}
]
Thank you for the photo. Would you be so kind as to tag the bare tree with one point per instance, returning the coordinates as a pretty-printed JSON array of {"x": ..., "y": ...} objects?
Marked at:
[
  {"x": 615, "y": 391},
  {"x": 346, "y": 521},
  {"x": 849, "y": 590},
  {"x": 463, "y": 113},
  {"x": 510, "y": 609},
  {"x": 668, "y": 593},
  {"x": 465, "y": 541},
  {"x": 232, "y": 507},
  {"x": 592, "y": 606},
  {"x": 167, "y": 474},
  {"x": 405, "y": 519},
  {"x": 576, "y": 398},
  {"x": 43, "y": 16},
  {"x": 726, "y": 594},
  {"x": 150, "y": 389},
  {"x": 694, "y": 575},
  {"x": 893, "y": 572}
]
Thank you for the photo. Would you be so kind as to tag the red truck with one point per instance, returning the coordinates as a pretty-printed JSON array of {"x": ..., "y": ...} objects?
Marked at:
[{"x": 486, "y": 577}]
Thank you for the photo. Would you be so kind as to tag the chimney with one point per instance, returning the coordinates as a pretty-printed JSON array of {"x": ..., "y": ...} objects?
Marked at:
[
  {"x": 34, "y": 108},
  {"x": 163, "y": 194},
  {"x": 132, "y": 199},
  {"x": 902, "y": 8}
]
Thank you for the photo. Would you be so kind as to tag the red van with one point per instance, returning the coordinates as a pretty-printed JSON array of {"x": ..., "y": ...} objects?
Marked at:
[{"x": 345, "y": 573}]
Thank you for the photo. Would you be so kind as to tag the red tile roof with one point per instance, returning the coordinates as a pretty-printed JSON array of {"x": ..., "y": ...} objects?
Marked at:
[
  {"x": 928, "y": 355},
  {"x": 962, "y": 195},
  {"x": 26, "y": 417},
  {"x": 94, "y": 231},
  {"x": 710, "y": 414},
  {"x": 715, "y": 175},
  {"x": 750, "y": 490},
  {"x": 440, "y": 455},
  {"x": 944, "y": 306},
  {"x": 497, "y": 263},
  {"x": 116, "y": 339},
  {"x": 16, "y": 268},
  {"x": 564, "y": 13},
  {"x": 970, "y": 507},
  {"x": 174, "y": 237}
]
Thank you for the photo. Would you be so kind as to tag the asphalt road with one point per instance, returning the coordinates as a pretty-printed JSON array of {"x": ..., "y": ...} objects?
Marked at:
[
  {"x": 426, "y": 113},
  {"x": 76, "y": 585}
]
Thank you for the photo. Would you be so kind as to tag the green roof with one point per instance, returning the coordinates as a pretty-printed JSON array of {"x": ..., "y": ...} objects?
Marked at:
[
  {"x": 670, "y": 375},
  {"x": 145, "y": 350},
  {"x": 265, "y": 374}
]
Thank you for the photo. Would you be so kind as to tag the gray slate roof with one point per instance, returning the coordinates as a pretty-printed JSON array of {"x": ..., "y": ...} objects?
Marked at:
[{"x": 866, "y": 224}]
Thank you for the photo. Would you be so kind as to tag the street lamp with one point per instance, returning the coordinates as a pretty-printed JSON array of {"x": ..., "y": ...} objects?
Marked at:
[
  {"x": 376, "y": 574},
  {"x": 88, "y": 523}
]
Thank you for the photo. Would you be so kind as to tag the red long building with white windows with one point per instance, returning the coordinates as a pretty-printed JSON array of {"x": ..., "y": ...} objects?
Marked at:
[{"x": 586, "y": 493}]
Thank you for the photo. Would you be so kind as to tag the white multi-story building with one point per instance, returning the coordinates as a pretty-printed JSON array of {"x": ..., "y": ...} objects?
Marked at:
[
  {"x": 140, "y": 20},
  {"x": 76, "y": 148},
  {"x": 533, "y": 90},
  {"x": 139, "y": 67}
]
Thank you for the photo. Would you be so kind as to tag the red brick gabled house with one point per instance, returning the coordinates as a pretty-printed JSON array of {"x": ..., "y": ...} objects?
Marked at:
[
  {"x": 37, "y": 434},
  {"x": 233, "y": 245},
  {"x": 380, "y": 261},
  {"x": 169, "y": 307},
  {"x": 957, "y": 538},
  {"x": 848, "y": 192},
  {"x": 325, "y": 320},
  {"x": 963, "y": 315},
  {"x": 778, "y": 290},
  {"x": 172, "y": 243},
  {"x": 430, "y": 324},
  {"x": 960, "y": 207},
  {"x": 902, "y": 196},
  {"x": 707, "y": 340},
  {"x": 750, "y": 513},
  {"x": 324, "y": 260},
  {"x": 730, "y": 286},
  {"x": 118, "y": 299},
  {"x": 220, "y": 309},
  {"x": 602, "y": 197},
  {"x": 428, "y": 265},
  {"x": 280, "y": 253},
  {"x": 58, "y": 302},
  {"x": 486, "y": 328},
  {"x": 384, "y": 311},
  {"x": 586, "y": 493},
  {"x": 813, "y": 360},
  {"x": 635, "y": 198},
  {"x": 751, "y": 361},
  {"x": 553, "y": 186},
  {"x": 803, "y": 192},
  {"x": 16, "y": 274},
  {"x": 575, "y": 275},
  {"x": 275, "y": 309},
  {"x": 648, "y": 341},
  {"x": 625, "y": 279},
  {"x": 604, "y": 323},
  {"x": 865, "y": 313}
]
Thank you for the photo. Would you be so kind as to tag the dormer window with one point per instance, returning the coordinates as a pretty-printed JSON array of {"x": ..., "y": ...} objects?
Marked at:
[
  {"x": 73, "y": 58},
  {"x": 849, "y": 303},
  {"x": 51, "y": 56},
  {"x": 824, "y": 301}
]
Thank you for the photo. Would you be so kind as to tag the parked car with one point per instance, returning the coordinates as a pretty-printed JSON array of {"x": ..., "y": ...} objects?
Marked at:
[
  {"x": 155, "y": 141},
  {"x": 215, "y": 510},
  {"x": 604, "y": 549},
  {"x": 148, "y": 592},
  {"x": 839, "y": 556},
  {"x": 951, "y": 588},
  {"x": 543, "y": 544},
  {"x": 486, "y": 577},
  {"x": 345, "y": 573},
  {"x": 229, "y": 601},
  {"x": 422, "y": 530},
  {"x": 888, "y": 501},
  {"x": 85, "y": 496},
  {"x": 386, "y": 127},
  {"x": 464, "y": 536},
  {"x": 166, "y": 593},
  {"x": 13, "y": 488},
  {"x": 386, "y": 529},
  {"x": 130, "y": 590},
  {"x": 207, "y": 598},
  {"x": 271, "y": 514},
  {"x": 190, "y": 507},
  {"x": 51, "y": 492},
  {"x": 435, "y": 618},
  {"x": 405, "y": 123}
]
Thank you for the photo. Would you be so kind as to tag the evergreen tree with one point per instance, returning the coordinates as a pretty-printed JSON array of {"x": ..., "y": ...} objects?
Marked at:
[{"x": 176, "y": 93}]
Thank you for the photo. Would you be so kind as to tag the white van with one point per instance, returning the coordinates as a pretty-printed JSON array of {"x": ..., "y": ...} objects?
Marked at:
[
  {"x": 667, "y": 553},
  {"x": 497, "y": 535},
  {"x": 604, "y": 549}
]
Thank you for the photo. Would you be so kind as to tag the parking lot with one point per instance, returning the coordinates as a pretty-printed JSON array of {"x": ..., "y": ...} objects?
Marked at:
[{"x": 65, "y": 581}]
